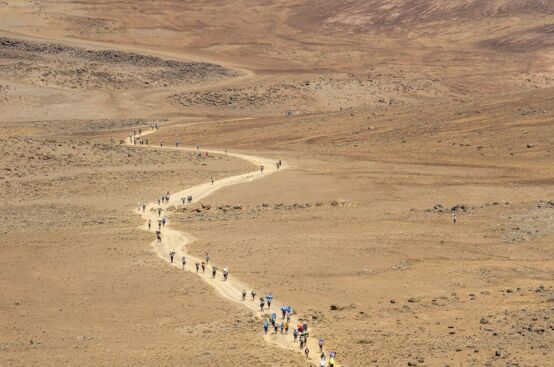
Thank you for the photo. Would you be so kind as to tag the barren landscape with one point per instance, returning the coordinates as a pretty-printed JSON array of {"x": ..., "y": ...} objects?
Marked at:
[{"x": 410, "y": 224}]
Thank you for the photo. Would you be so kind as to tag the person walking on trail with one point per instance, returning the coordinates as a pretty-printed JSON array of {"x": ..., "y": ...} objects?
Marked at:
[
  {"x": 307, "y": 352},
  {"x": 275, "y": 327},
  {"x": 183, "y": 199},
  {"x": 269, "y": 298},
  {"x": 266, "y": 326},
  {"x": 282, "y": 327},
  {"x": 159, "y": 225},
  {"x": 225, "y": 273},
  {"x": 159, "y": 202},
  {"x": 321, "y": 342},
  {"x": 454, "y": 218},
  {"x": 253, "y": 294},
  {"x": 262, "y": 304},
  {"x": 143, "y": 208},
  {"x": 172, "y": 255},
  {"x": 203, "y": 267},
  {"x": 286, "y": 328},
  {"x": 295, "y": 335},
  {"x": 161, "y": 144},
  {"x": 184, "y": 261},
  {"x": 149, "y": 224},
  {"x": 262, "y": 169},
  {"x": 214, "y": 271},
  {"x": 331, "y": 361},
  {"x": 159, "y": 236},
  {"x": 177, "y": 142},
  {"x": 207, "y": 258},
  {"x": 159, "y": 210},
  {"x": 322, "y": 361},
  {"x": 164, "y": 219},
  {"x": 197, "y": 264},
  {"x": 212, "y": 180},
  {"x": 244, "y": 295}
]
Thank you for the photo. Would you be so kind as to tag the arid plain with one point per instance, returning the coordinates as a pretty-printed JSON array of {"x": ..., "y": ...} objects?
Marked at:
[{"x": 392, "y": 119}]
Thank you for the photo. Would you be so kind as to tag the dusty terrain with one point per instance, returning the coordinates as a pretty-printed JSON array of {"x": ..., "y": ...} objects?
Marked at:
[{"x": 392, "y": 118}]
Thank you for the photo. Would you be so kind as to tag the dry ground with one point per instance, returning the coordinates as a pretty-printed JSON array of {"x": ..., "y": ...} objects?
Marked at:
[{"x": 403, "y": 113}]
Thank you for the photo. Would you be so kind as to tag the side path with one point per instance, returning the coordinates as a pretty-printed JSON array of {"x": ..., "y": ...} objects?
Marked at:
[{"x": 231, "y": 288}]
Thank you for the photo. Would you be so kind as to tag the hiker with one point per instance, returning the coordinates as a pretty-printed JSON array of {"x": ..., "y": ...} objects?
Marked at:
[
  {"x": 253, "y": 294},
  {"x": 332, "y": 360},
  {"x": 161, "y": 144},
  {"x": 266, "y": 326},
  {"x": 189, "y": 199},
  {"x": 184, "y": 261},
  {"x": 183, "y": 199},
  {"x": 244, "y": 295},
  {"x": 171, "y": 255},
  {"x": 159, "y": 204},
  {"x": 214, "y": 271},
  {"x": 321, "y": 342},
  {"x": 307, "y": 352},
  {"x": 269, "y": 298},
  {"x": 159, "y": 209},
  {"x": 197, "y": 264},
  {"x": 454, "y": 218},
  {"x": 203, "y": 267},
  {"x": 143, "y": 208},
  {"x": 225, "y": 274},
  {"x": 283, "y": 311},
  {"x": 322, "y": 362},
  {"x": 159, "y": 225},
  {"x": 262, "y": 303},
  {"x": 149, "y": 224},
  {"x": 177, "y": 142},
  {"x": 305, "y": 327},
  {"x": 207, "y": 258},
  {"x": 261, "y": 169},
  {"x": 295, "y": 335},
  {"x": 286, "y": 328},
  {"x": 282, "y": 327},
  {"x": 159, "y": 236},
  {"x": 212, "y": 180},
  {"x": 164, "y": 219}
]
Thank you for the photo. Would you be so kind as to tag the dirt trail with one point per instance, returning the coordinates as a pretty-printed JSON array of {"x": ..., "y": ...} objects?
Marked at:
[{"x": 231, "y": 289}]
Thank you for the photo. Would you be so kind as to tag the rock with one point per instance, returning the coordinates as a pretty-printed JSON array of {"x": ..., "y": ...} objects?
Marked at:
[
  {"x": 334, "y": 203},
  {"x": 392, "y": 301},
  {"x": 333, "y": 307},
  {"x": 412, "y": 300},
  {"x": 483, "y": 321},
  {"x": 531, "y": 145},
  {"x": 206, "y": 206},
  {"x": 237, "y": 206}
]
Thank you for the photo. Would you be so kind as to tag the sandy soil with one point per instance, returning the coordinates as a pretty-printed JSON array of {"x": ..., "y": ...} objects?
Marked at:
[{"x": 393, "y": 119}]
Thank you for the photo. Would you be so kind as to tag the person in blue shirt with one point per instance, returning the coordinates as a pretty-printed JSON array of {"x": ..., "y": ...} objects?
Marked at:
[{"x": 266, "y": 326}]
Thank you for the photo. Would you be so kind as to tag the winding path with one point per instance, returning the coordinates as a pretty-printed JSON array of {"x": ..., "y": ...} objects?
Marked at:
[{"x": 231, "y": 289}]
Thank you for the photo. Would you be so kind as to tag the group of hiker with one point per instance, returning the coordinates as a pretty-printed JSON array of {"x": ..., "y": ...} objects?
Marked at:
[{"x": 299, "y": 332}]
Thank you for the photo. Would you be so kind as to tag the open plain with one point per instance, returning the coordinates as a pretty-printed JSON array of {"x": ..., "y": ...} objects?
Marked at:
[{"x": 411, "y": 223}]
